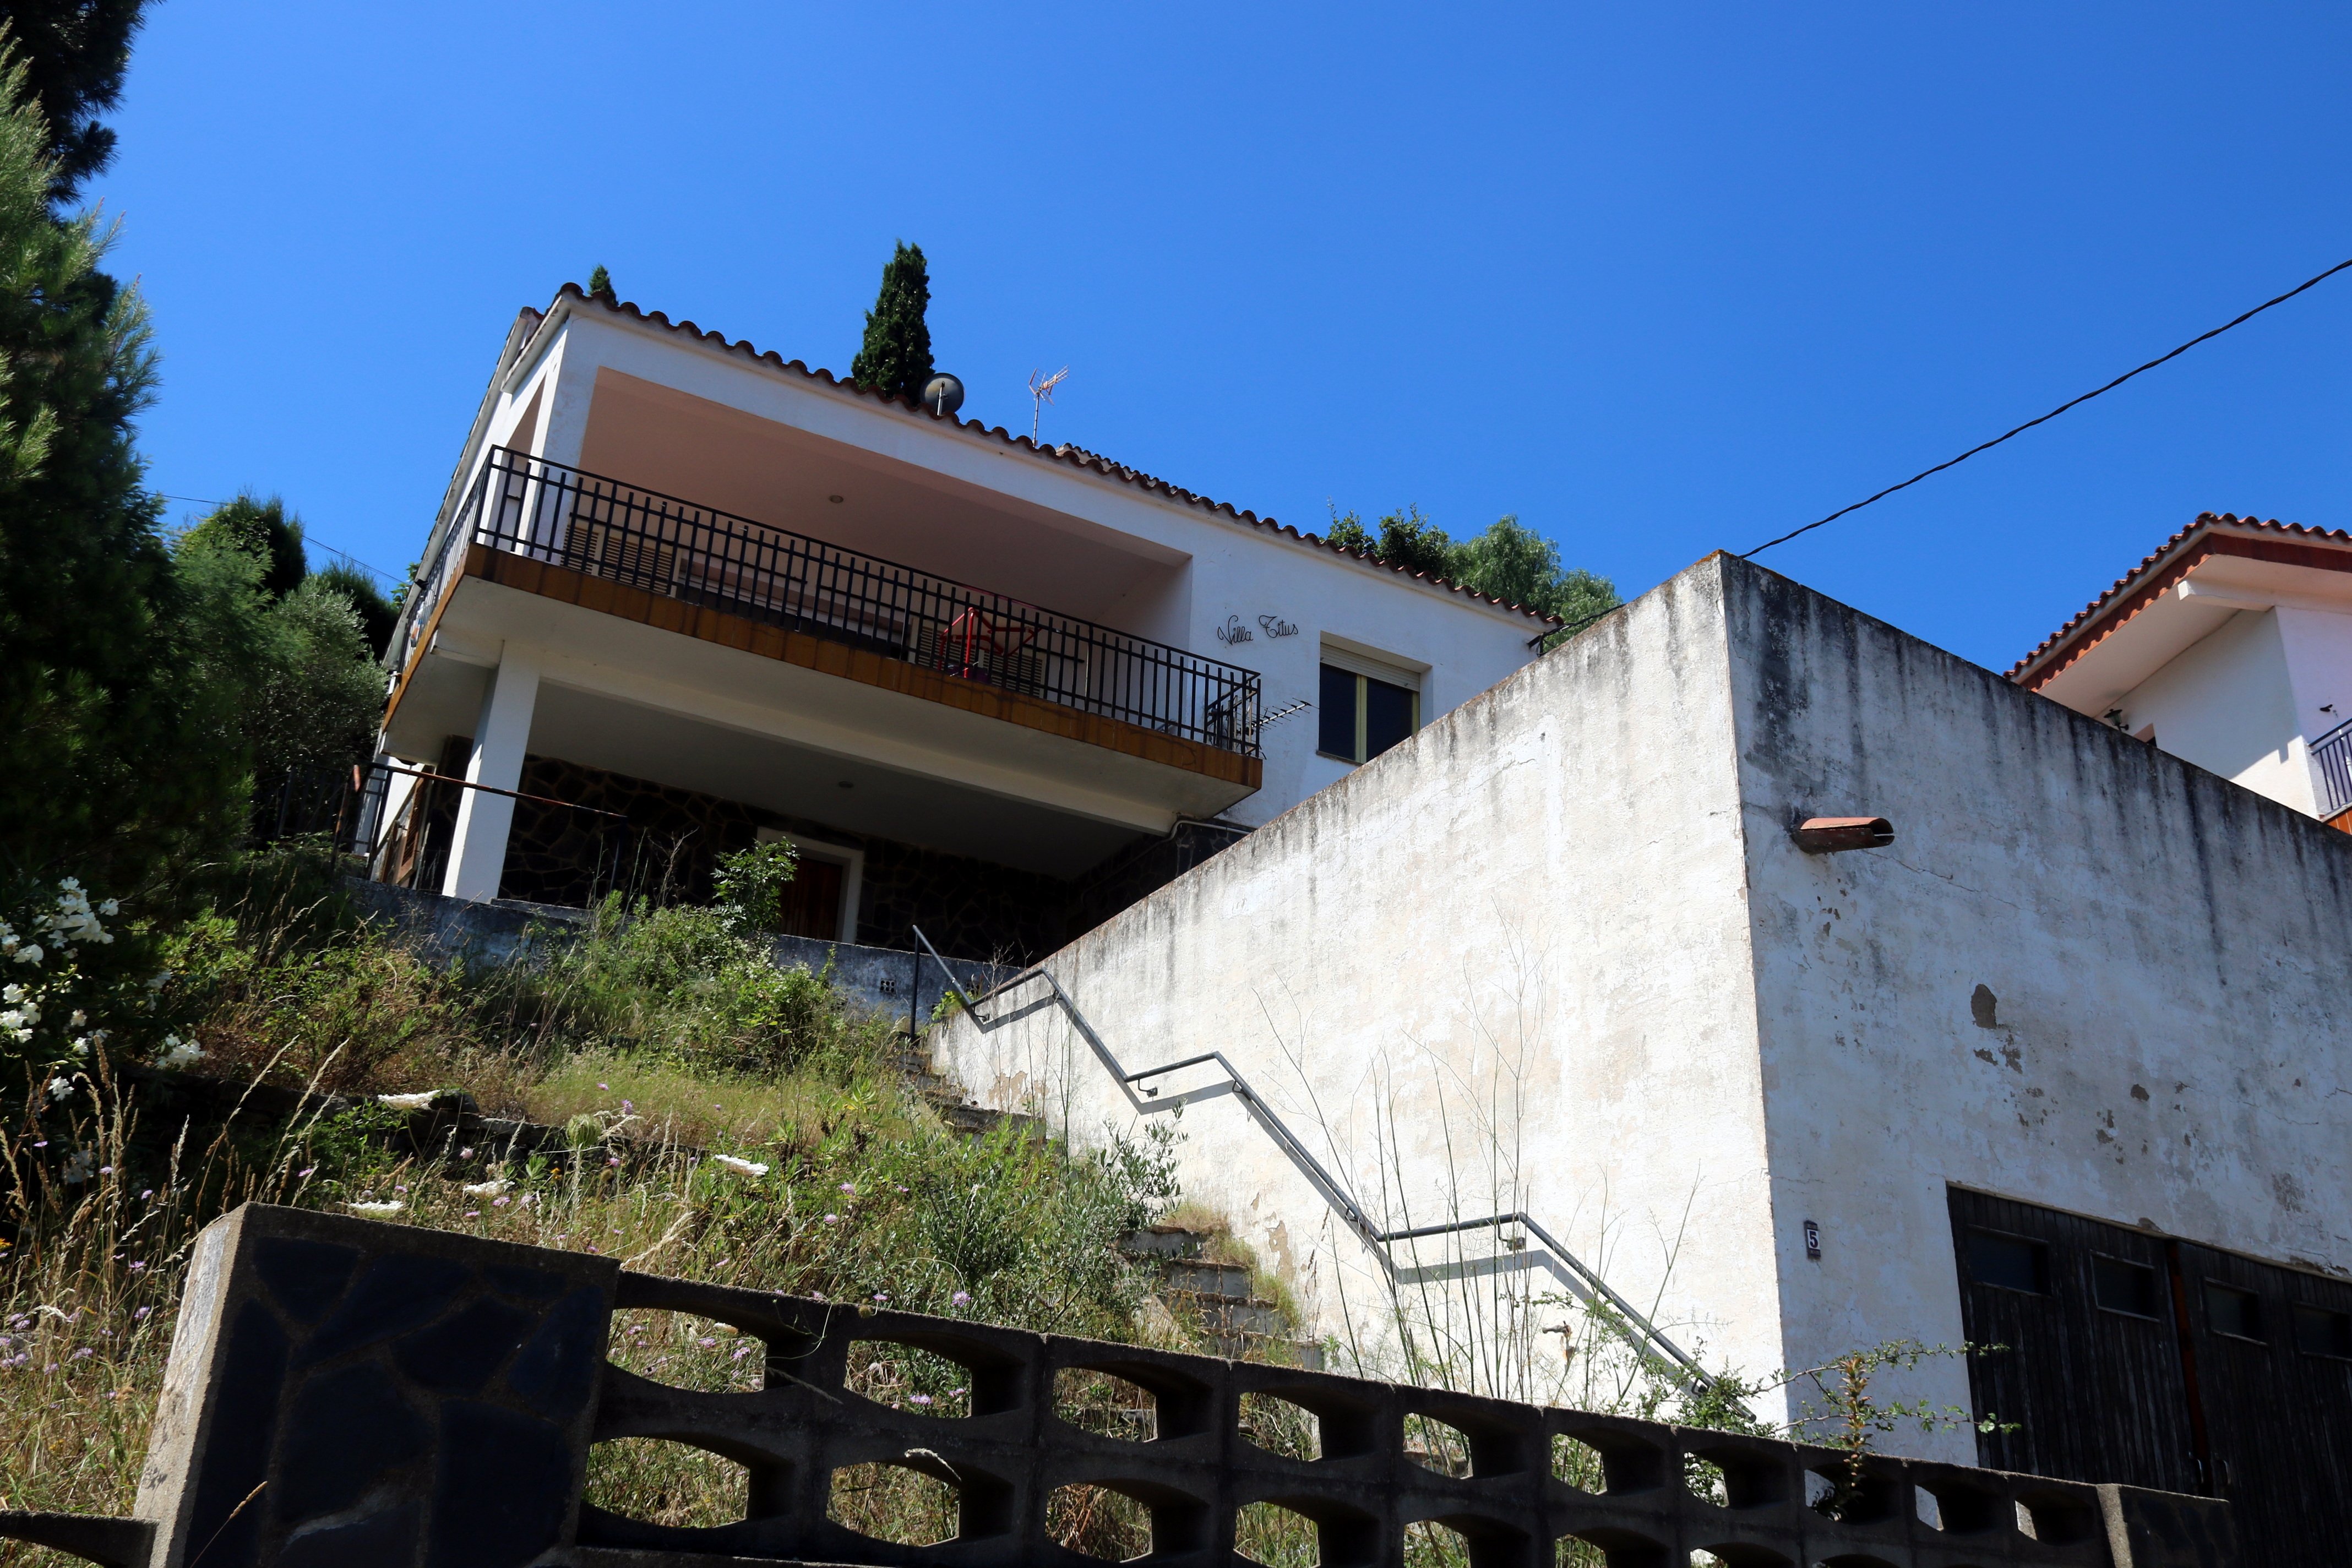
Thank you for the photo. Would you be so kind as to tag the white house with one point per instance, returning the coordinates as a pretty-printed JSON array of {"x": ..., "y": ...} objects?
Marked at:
[
  {"x": 2064, "y": 1067},
  {"x": 2230, "y": 647},
  {"x": 682, "y": 593}
]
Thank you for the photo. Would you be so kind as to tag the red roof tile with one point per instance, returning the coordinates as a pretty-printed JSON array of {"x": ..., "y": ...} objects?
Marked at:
[{"x": 2206, "y": 523}]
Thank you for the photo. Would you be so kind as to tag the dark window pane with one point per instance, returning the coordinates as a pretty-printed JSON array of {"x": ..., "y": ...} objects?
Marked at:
[
  {"x": 2319, "y": 1332},
  {"x": 2232, "y": 1311},
  {"x": 2012, "y": 1262},
  {"x": 1388, "y": 716},
  {"x": 2122, "y": 1287},
  {"x": 1336, "y": 713}
]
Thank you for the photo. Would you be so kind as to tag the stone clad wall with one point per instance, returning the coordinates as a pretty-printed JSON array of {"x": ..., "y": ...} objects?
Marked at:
[{"x": 348, "y": 1396}]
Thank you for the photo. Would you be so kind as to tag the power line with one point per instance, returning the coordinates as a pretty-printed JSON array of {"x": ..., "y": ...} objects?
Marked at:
[
  {"x": 308, "y": 542},
  {"x": 2053, "y": 414}
]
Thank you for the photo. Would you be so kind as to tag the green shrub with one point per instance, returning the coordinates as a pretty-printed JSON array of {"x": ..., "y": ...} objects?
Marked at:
[
  {"x": 748, "y": 885},
  {"x": 729, "y": 1122}
]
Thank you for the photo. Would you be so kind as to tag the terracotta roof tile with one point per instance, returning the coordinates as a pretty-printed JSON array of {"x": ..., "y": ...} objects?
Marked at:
[
  {"x": 1067, "y": 453},
  {"x": 2206, "y": 523}
]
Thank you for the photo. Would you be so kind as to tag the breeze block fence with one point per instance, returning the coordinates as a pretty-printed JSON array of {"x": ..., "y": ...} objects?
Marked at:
[{"x": 347, "y": 1393}]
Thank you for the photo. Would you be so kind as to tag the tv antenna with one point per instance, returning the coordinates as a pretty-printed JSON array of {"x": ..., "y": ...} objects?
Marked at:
[{"x": 1041, "y": 392}]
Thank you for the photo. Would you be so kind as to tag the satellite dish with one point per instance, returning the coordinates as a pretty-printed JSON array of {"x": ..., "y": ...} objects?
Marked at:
[{"x": 944, "y": 393}]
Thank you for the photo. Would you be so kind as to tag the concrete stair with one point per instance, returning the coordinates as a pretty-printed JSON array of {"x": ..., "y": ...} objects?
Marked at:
[
  {"x": 963, "y": 1117},
  {"x": 1218, "y": 1298}
]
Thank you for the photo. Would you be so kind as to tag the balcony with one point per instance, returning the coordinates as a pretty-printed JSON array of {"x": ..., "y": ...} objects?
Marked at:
[
  {"x": 601, "y": 544},
  {"x": 2332, "y": 752}
]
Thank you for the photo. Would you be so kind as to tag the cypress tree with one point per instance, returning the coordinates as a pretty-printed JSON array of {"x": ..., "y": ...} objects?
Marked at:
[
  {"x": 599, "y": 281},
  {"x": 895, "y": 358}
]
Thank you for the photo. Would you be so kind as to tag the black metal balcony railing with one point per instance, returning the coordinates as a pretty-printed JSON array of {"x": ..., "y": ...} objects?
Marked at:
[
  {"x": 2333, "y": 753},
  {"x": 552, "y": 512}
]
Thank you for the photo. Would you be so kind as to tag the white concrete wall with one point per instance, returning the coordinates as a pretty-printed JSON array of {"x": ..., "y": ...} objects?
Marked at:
[
  {"x": 2318, "y": 646},
  {"x": 2166, "y": 954},
  {"x": 1528, "y": 921},
  {"x": 1587, "y": 872},
  {"x": 1236, "y": 570},
  {"x": 2227, "y": 704}
]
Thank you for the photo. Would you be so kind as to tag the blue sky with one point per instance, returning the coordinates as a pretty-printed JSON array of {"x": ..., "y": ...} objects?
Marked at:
[{"x": 1659, "y": 279}]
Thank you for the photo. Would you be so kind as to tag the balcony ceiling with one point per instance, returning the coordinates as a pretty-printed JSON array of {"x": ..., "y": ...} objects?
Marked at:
[
  {"x": 680, "y": 445},
  {"x": 762, "y": 730}
]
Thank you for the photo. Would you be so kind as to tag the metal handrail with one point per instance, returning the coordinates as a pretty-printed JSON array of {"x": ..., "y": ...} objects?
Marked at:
[
  {"x": 2332, "y": 754},
  {"x": 606, "y": 528},
  {"x": 1630, "y": 1323}
]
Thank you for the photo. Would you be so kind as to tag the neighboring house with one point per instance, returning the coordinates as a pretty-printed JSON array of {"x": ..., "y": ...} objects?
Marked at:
[
  {"x": 2230, "y": 648},
  {"x": 2062, "y": 1067},
  {"x": 682, "y": 593}
]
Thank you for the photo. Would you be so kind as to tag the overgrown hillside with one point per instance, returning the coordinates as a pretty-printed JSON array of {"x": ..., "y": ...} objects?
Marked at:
[{"x": 723, "y": 1120}]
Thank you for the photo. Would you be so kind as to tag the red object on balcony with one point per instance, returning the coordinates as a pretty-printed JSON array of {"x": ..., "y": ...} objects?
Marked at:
[{"x": 975, "y": 639}]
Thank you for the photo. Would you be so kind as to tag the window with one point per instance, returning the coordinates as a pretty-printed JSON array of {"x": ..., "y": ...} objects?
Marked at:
[
  {"x": 2118, "y": 1286},
  {"x": 2235, "y": 1312},
  {"x": 2010, "y": 1262},
  {"x": 1360, "y": 715},
  {"x": 2318, "y": 1331}
]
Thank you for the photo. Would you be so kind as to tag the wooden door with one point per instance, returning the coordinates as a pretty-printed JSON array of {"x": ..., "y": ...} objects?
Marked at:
[{"x": 811, "y": 899}]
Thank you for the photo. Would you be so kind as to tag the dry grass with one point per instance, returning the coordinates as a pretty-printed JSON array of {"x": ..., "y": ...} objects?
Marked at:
[
  {"x": 707, "y": 1111},
  {"x": 668, "y": 1032}
]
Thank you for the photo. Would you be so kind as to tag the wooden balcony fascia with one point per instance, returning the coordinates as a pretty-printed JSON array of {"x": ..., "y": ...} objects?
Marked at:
[{"x": 864, "y": 666}]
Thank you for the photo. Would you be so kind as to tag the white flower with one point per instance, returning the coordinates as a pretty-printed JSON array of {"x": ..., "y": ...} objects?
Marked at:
[
  {"x": 14, "y": 1018},
  {"x": 741, "y": 1167},
  {"x": 79, "y": 1168},
  {"x": 12, "y": 994},
  {"x": 110, "y": 907},
  {"x": 81, "y": 1047},
  {"x": 374, "y": 1211},
  {"x": 179, "y": 1053},
  {"x": 61, "y": 1088},
  {"x": 408, "y": 1101},
  {"x": 71, "y": 884},
  {"x": 489, "y": 1189},
  {"x": 76, "y": 1022},
  {"x": 30, "y": 952}
]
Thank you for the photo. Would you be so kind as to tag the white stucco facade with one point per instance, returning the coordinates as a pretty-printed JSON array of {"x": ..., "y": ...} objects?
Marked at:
[
  {"x": 1560, "y": 953},
  {"x": 670, "y": 409},
  {"x": 2231, "y": 647}
]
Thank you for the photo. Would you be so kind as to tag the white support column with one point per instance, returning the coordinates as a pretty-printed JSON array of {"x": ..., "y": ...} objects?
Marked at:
[{"x": 479, "y": 855}]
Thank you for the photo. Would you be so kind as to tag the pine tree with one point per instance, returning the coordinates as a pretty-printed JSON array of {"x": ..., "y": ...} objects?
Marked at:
[
  {"x": 897, "y": 357},
  {"x": 599, "y": 281},
  {"x": 75, "y": 52},
  {"x": 109, "y": 763}
]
